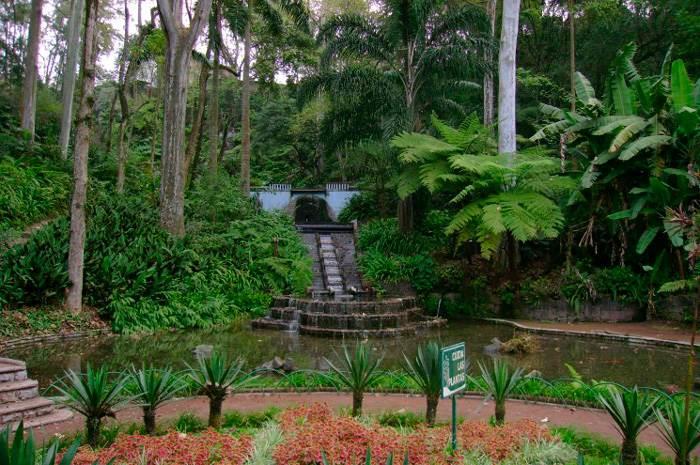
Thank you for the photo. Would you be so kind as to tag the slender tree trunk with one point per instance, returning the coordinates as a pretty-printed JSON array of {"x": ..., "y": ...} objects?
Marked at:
[
  {"x": 93, "y": 426},
  {"x": 107, "y": 139},
  {"x": 180, "y": 41},
  {"x": 224, "y": 137},
  {"x": 138, "y": 14},
  {"x": 357, "y": 398},
  {"x": 215, "y": 404},
  {"x": 572, "y": 54},
  {"x": 431, "y": 408},
  {"x": 76, "y": 251},
  {"x": 214, "y": 100},
  {"x": 500, "y": 412},
  {"x": 124, "y": 106},
  {"x": 31, "y": 71},
  {"x": 149, "y": 420},
  {"x": 245, "y": 113},
  {"x": 506, "y": 77},
  {"x": 69, "y": 75},
  {"x": 629, "y": 452},
  {"x": 195, "y": 132},
  {"x": 488, "y": 58}
]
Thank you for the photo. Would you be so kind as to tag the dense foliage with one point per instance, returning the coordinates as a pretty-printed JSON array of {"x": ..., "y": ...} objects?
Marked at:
[{"x": 142, "y": 279}]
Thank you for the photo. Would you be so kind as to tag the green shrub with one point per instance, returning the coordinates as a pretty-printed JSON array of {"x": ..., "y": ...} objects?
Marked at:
[
  {"x": 400, "y": 419},
  {"x": 384, "y": 235},
  {"x": 189, "y": 423},
  {"x": 362, "y": 207},
  {"x": 418, "y": 270},
  {"x": 144, "y": 279}
]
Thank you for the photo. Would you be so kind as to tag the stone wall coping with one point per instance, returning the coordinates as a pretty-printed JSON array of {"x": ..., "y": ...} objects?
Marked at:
[
  {"x": 36, "y": 339},
  {"x": 637, "y": 340}
]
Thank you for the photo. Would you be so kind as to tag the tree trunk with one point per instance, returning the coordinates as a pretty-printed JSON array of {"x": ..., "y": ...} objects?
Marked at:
[
  {"x": 572, "y": 54},
  {"x": 107, "y": 139},
  {"x": 124, "y": 106},
  {"x": 31, "y": 71},
  {"x": 76, "y": 251},
  {"x": 629, "y": 453},
  {"x": 92, "y": 425},
  {"x": 245, "y": 113},
  {"x": 500, "y": 412},
  {"x": 357, "y": 403},
  {"x": 405, "y": 214},
  {"x": 195, "y": 132},
  {"x": 488, "y": 58},
  {"x": 215, "y": 404},
  {"x": 180, "y": 41},
  {"x": 224, "y": 137},
  {"x": 149, "y": 420},
  {"x": 431, "y": 408},
  {"x": 214, "y": 100},
  {"x": 506, "y": 77},
  {"x": 68, "y": 92}
]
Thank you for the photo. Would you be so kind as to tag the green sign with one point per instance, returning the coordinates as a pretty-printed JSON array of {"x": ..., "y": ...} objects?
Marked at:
[{"x": 453, "y": 361}]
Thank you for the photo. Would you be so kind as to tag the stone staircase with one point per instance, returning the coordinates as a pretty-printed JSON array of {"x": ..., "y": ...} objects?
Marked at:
[{"x": 19, "y": 399}]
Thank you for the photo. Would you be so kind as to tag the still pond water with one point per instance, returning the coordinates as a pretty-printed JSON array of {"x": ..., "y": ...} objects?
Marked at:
[{"x": 593, "y": 359}]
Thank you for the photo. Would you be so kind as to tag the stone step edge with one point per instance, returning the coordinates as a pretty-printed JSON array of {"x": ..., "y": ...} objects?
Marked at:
[
  {"x": 58, "y": 416},
  {"x": 18, "y": 385},
  {"x": 25, "y": 405}
]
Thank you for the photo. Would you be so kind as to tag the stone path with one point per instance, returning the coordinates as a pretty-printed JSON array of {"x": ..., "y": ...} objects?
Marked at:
[
  {"x": 588, "y": 420},
  {"x": 652, "y": 331}
]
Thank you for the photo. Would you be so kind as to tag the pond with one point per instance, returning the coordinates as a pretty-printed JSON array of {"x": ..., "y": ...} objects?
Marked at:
[{"x": 592, "y": 358}]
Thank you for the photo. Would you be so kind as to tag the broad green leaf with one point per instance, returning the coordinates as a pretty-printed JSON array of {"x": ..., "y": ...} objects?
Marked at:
[
  {"x": 621, "y": 215},
  {"x": 681, "y": 87},
  {"x": 584, "y": 90},
  {"x": 646, "y": 238},
  {"x": 622, "y": 97},
  {"x": 643, "y": 143},
  {"x": 626, "y": 134}
]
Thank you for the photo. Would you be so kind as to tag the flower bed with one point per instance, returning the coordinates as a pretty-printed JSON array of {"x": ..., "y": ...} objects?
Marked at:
[
  {"x": 310, "y": 430},
  {"x": 173, "y": 448}
]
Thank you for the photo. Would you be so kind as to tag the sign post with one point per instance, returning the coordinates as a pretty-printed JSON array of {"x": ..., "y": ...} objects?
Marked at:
[{"x": 453, "y": 364}]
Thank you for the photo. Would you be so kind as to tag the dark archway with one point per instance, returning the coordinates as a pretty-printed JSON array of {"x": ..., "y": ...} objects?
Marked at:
[{"x": 311, "y": 210}]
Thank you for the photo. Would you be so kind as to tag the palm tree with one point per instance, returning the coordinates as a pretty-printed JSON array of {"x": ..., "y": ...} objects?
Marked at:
[
  {"x": 632, "y": 411},
  {"x": 500, "y": 381},
  {"x": 151, "y": 388},
  {"x": 425, "y": 370},
  {"x": 414, "y": 58},
  {"x": 94, "y": 395},
  {"x": 359, "y": 372},
  {"x": 681, "y": 436},
  {"x": 215, "y": 376}
]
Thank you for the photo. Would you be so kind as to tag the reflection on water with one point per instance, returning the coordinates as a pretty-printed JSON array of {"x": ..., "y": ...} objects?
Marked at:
[{"x": 594, "y": 359}]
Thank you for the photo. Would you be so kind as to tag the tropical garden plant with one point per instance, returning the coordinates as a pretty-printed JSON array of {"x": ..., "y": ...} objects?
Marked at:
[
  {"x": 681, "y": 432},
  {"x": 151, "y": 387},
  {"x": 500, "y": 380},
  {"x": 214, "y": 377},
  {"x": 23, "y": 451},
  {"x": 358, "y": 371},
  {"x": 632, "y": 411},
  {"x": 94, "y": 394},
  {"x": 426, "y": 371},
  {"x": 497, "y": 196}
]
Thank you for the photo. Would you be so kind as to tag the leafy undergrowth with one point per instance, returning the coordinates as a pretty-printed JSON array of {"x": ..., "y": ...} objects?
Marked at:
[
  {"x": 173, "y": 448},
  {"x": 142, "y": 279},
  {"x": 312, "y": 429},
  {"x": 599, "y": 451},
  {"x": 37, "y": 321}
]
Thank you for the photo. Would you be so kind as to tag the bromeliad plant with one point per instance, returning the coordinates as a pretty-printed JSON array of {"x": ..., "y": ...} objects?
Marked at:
[
  {"x": 680, "y": 433},
  {"x": 151, "y": 388},
  {"x": 425, "y": 371},
  {"x": 358, "y": 372},
  {"x": 215, "y": 377},
  {"x": 632, "y": 411},
  {"x": 93, "y": 394},
  {"x": 500, "y": 382},
  {"x": 21, "y": 451}
]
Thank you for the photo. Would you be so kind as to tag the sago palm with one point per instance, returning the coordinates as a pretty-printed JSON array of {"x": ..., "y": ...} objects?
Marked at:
[
  {"x": 680, "y": 433},
  {"x": 214, "y": 377},
  {"x": 358, "y": 371},
  {"x": 425, "y": 370},
  {"x": 151, "y": 388},
  {"x": 93, "y": 394},
  {"x": 501, "y": 380},
  {"x": 632, "y": 411}
]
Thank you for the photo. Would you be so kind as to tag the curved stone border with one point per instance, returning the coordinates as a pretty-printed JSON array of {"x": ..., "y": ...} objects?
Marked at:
[
  {"x": 637, "y": 340},
  {"x": 30, "y": 340}
]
